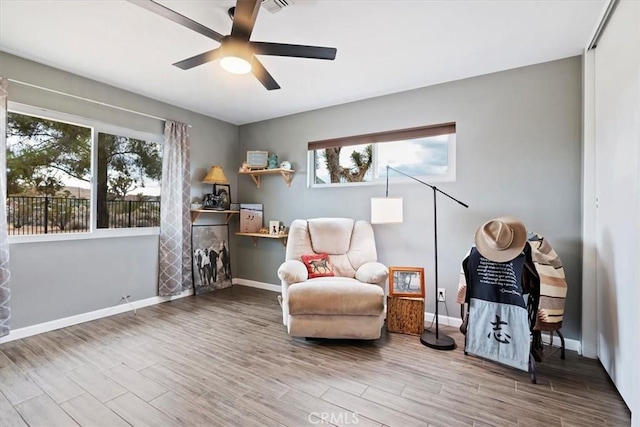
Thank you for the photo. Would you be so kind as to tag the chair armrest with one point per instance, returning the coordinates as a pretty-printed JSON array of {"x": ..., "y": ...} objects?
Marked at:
[
  {"x": 372, "y": 272},
  {"x": 293, "y": 271}
]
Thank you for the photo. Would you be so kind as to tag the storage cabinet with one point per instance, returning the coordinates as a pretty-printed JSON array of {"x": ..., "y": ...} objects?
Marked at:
[{"x": 405, "y": 315}]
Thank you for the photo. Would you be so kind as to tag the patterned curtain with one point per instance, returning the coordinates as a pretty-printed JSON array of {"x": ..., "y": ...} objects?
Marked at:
[
  {"x": 175, "y": 220},
  {"x": 5, "y": 292}
]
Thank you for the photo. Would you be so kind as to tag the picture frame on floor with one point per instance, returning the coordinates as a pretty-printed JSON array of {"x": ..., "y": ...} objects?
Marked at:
[
  {"x": 406, "y": 282},
  {"x": 210, "y": 257}
]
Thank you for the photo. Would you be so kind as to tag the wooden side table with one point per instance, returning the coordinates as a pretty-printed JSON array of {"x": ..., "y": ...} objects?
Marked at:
[{"x": 405, "y": 315}]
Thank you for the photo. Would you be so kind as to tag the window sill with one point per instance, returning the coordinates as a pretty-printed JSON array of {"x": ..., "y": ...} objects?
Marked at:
[
  {"x": 98, "y": 234},
  {"x": 382, "y": 181}
]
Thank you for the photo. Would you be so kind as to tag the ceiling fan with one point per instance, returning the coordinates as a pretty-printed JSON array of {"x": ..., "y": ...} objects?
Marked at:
[{"x": 236, "y": 52}]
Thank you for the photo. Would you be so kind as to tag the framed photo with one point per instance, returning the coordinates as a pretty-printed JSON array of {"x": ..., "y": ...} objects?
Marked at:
[
  {"x": 257, "y": 159},
  {"x": 210, "y": 201},
  {"x": 406, "y": 282},
  {"x": 211, "y": 262},
  {"x": 223, "y": 196},
  {"x": 250, "y": 217},
  {"x": 274, "y": 227}
]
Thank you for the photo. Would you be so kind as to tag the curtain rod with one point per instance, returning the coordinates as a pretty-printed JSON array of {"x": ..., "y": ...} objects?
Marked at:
[{"x": 81, "y": 98}]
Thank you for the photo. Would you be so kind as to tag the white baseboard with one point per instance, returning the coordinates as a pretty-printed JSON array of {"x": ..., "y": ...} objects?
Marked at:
[
  {"x": 40, "y": 328},
  {"x": 259, "y": 285},
  {"x": 569, "y": 344},
  {"x": 16, "y": 334},
  {"x": 442, "y": 320}
]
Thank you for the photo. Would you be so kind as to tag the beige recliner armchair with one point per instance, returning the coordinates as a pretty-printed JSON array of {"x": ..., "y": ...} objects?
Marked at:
[{"x": 349, "y": 304}]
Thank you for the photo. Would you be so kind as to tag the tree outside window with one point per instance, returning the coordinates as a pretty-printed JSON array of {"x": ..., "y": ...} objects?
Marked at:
[
  {"x": 427, "y": 152},
  {"x": 49, "y": 177}
]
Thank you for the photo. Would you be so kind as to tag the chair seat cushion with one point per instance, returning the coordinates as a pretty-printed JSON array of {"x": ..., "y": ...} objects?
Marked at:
[{"x": 335, "y": 295}]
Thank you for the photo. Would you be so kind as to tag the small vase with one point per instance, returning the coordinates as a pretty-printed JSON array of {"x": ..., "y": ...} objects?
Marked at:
[{"x": 272, "y": 161}]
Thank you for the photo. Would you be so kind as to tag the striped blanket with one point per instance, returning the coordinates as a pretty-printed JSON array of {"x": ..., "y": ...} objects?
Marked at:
[{"x": 552, "y": 284}]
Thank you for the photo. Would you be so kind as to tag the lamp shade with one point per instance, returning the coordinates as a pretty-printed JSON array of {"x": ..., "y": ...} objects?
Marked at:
[
  {"x": 386, "y": 210},
  {"x": 215, "y": 176}
]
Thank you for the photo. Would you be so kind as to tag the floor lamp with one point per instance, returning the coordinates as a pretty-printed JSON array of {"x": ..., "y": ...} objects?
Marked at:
[{"x": 387, "y": 210}]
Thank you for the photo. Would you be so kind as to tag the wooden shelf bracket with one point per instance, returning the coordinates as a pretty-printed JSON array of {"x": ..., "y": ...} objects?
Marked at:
[
  {"x": 256, "y": 236},
  {"x": 287, "y": 175},
  {"x": 195, "y": 213}
]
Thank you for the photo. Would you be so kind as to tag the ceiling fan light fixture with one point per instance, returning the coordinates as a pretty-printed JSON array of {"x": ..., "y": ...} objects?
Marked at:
[
  {"x": 236, "y": 56},
  {"x": 235, "y": 65}
]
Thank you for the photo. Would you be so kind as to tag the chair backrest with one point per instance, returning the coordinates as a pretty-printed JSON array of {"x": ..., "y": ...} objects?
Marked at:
[{"x": 348, "y": 243}]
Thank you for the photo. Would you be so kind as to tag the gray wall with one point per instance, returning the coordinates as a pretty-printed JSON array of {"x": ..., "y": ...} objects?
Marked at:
[
  {"x": 518, "y": 153},
  {"x": 51, "y": 280}
]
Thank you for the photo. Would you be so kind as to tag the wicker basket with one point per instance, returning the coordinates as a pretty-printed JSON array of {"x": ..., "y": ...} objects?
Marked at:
[{"x": 405, "y": 315}]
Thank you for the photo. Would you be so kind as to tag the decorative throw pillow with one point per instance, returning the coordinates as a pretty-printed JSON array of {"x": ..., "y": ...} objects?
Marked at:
[{"x": 318, "y": 265}]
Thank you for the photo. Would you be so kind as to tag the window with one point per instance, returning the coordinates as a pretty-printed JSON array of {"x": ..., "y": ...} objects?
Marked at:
[
  {"x": 426, "y": 152},
  {"x": 69, "y": 176},
  {"x": 128, "y": 182}
]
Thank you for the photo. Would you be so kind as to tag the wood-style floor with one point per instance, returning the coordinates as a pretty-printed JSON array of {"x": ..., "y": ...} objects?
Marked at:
[{"x": 224, "y": 359}]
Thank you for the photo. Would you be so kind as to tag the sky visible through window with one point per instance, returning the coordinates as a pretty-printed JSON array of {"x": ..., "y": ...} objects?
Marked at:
[{"x": 417, "y": 157}]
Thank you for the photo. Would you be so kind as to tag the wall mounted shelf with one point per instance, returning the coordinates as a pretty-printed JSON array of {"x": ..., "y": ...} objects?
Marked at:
[
  {"x": 255, "y": 175},
  {"x": 256, "y": 236},
  {"x": 195, "y": 213}
]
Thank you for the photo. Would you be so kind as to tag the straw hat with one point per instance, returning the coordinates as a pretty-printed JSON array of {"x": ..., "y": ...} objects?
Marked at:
[{"x": 501, "y": 239}]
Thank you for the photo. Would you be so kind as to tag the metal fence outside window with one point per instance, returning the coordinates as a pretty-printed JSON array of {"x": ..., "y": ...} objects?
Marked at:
[{"x": 56, "y": 215}]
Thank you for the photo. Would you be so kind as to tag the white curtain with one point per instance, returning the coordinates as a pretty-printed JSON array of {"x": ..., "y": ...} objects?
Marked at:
[
  {"x": 5, "y": 292},
  {"x": 175, "y": 221}
]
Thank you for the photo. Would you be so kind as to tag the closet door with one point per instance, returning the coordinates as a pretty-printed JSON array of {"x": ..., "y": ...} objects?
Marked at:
[{"x": 617, "y": 137}]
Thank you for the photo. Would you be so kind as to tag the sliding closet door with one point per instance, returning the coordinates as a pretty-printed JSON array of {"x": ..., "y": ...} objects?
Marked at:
[{"x": 617, "y": 137}]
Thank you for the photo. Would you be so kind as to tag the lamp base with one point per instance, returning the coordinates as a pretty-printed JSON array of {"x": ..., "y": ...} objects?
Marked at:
[{"x": 443, "y": 342}]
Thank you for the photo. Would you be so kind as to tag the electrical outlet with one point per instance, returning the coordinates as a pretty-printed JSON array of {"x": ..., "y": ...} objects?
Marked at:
[{"x": 442, "y": 296}]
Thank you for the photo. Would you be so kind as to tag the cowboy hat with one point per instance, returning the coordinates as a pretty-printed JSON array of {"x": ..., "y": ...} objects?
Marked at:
[{"x": 501, "y": 239}]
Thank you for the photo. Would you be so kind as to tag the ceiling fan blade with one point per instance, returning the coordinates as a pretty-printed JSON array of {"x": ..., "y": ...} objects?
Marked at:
[
  {"x": 263, "y": 75},
  {"x": 294, "y": 50},
  {"x": 203, "y": 58},
  {"x": 165, "y": 12},
  {"x": 244, "y": 18}
]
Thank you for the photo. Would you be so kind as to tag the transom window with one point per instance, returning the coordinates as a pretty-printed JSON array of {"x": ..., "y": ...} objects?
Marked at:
[
  {"x": 426, "y": 152},
  {"x": 69, "y": 175}
]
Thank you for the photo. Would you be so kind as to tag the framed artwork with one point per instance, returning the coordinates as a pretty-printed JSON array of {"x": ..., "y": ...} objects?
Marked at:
[
  {"x": 274, "y": 227},
  {"x": 222, "y": 193},
  {"x": 406, "y": 282},
  {"x": 211, "y": 262},
  {"x": 250, "y": 218},
  {"x": 210, "y": 201},
  {"x": 257, "y": 159}
]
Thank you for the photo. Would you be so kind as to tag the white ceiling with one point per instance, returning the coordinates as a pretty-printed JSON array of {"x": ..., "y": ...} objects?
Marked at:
[{"x": 383, "y": 47}]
